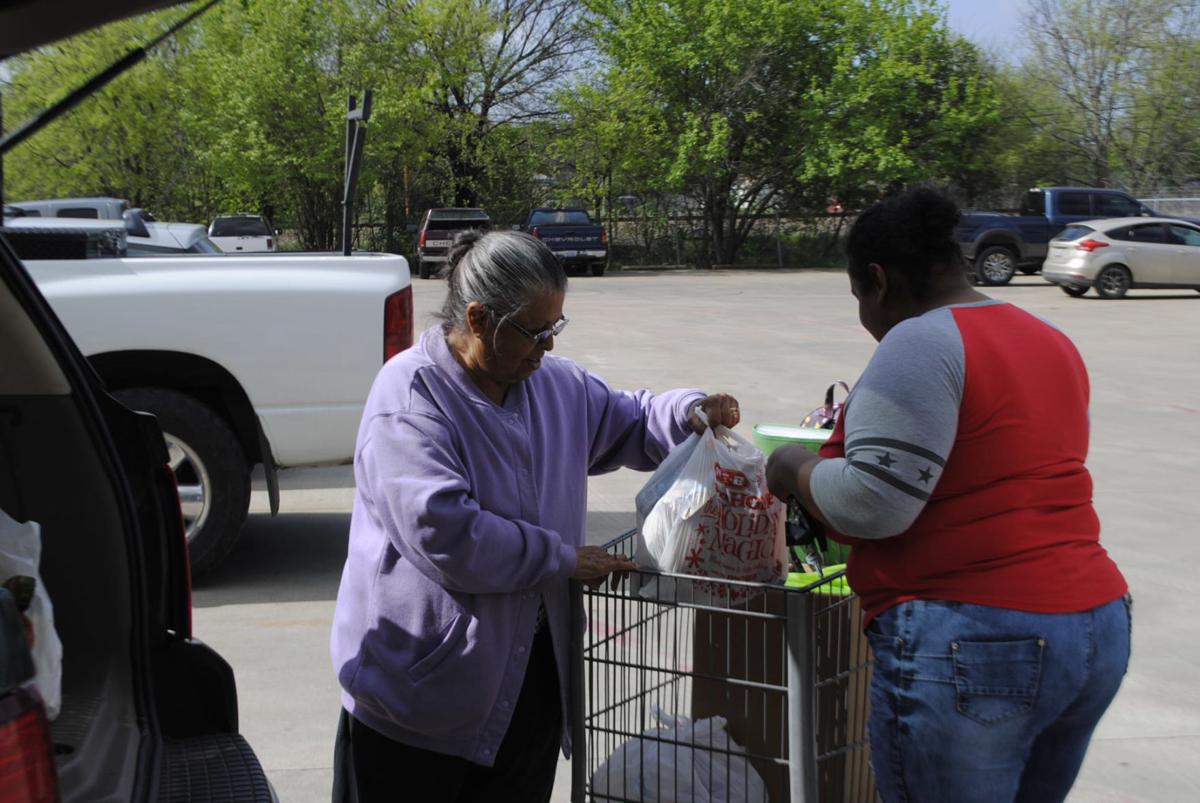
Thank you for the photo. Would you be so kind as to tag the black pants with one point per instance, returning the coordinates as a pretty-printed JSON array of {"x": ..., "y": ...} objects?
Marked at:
[{"x": 368, "y": 767}]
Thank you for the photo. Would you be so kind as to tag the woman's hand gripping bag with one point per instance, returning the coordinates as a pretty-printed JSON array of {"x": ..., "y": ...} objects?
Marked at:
[{"x": 706, "y": 511}]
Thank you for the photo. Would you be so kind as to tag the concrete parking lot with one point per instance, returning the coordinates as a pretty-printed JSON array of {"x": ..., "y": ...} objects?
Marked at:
[{"x": 776, "y": 340}]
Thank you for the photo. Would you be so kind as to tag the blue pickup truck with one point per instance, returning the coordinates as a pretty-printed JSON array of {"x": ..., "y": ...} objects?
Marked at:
[
  {"x": 997, "y": 245},
  {"x": 578, "y": 242}
]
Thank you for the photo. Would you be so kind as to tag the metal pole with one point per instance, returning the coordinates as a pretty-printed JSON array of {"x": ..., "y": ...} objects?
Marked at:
[
  {"x": 576, "y": 697},
  {"x": 801, "y": 713},
  {"x": 356, "y": 140},
  {"x": 779, "y": 236}
]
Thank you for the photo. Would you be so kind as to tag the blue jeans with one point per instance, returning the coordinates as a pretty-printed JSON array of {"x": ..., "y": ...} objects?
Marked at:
[{"x": 981, "y": 705}]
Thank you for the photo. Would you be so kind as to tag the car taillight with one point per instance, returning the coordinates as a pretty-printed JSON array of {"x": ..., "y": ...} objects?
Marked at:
[
  {"x": 534, "y": 231},
  {"x": 27, "y": 772},
  {"x": 604, "y": 236},
  {"x": 1090, "y": 245},
  {"x": 270, "y": 243},
  {"x": 397, "y": 323},
  {"x": 421, "y": 239}
]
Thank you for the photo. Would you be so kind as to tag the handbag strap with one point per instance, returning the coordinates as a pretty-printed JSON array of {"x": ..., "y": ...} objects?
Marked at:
[{"x": 829, "y": 393}]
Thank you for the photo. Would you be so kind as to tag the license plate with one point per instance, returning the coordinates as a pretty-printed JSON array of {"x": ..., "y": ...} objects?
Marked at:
[
  {"x": 437, "y": 243},
  {"x": 568, "y": 253}
]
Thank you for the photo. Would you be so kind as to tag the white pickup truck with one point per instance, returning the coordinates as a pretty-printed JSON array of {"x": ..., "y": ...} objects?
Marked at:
[{"x": 263, "y": 358}]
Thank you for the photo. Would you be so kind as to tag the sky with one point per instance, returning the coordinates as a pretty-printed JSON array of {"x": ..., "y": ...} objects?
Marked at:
[{"x": 994, "y": 24}]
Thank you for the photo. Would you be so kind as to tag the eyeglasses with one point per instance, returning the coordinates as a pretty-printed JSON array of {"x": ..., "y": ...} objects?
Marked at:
[{"x": 542, "y": 335}]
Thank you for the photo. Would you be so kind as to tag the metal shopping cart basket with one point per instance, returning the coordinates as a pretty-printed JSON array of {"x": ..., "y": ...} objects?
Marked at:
[{"x": 786, "y": 667}]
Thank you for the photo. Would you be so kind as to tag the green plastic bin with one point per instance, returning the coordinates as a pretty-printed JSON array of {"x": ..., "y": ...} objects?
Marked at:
[
  {"x": 838, "y": 587},
  {"x": 770, "y": 436}
]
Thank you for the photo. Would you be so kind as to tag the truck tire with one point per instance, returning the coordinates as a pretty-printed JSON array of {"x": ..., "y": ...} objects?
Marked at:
[
  {"x": 1113, "y": 281},
  {"x": 210, "y": 467},
  {"x": 598, "y": 268},
  {"x": 996, "y": 265},
  {"x": 423, "y": 269}
]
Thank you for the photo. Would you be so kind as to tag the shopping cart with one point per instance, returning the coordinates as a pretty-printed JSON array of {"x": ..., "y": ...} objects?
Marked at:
[{"x": 786, "y": 667}]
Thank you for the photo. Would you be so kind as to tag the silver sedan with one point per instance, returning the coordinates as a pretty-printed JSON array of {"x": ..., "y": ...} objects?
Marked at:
[{"x": 1118, "y": 254}]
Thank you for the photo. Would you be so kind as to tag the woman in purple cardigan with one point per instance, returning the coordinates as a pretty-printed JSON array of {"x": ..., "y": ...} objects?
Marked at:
[{"x": 451, "y": 628}]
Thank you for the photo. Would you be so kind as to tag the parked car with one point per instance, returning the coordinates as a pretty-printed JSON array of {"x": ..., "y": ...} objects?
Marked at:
[
  {"x": 148, "y": 712},
  {"x": 98, "y": 208},
  {"x": 576, "y": 240},
  {"x": 437, "y": 231},
  {"x": 245, "y": 358},
  {"x": 243, "y": 234},
  {"x": 1117, "y": 255},
  {"x": 997, "y": 245},
  {"x": 142, "y": 238}
]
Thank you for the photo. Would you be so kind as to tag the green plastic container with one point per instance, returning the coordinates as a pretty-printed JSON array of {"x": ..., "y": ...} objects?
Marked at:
[
  {"x": 837, "y": 587},
  {"x": 770, "y": 436}
]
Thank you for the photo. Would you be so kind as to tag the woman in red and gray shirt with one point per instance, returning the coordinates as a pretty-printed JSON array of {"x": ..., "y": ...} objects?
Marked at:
[{"x": 999, "y": 624}]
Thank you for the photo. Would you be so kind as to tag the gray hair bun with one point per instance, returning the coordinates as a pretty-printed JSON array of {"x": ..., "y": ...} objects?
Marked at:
[
  {"x": 503, "y": 270},
  {"x": 463, "y": 242}
]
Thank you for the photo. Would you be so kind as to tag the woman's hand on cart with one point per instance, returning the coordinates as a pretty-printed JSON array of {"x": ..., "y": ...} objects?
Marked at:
[{"x": 594, "y": 564}]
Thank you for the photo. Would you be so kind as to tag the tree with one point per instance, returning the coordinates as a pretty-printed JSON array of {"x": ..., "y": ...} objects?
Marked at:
[
  {"x": 745, "y": 107},
  {"x": 1124, "y": 94},
  {"x": 117, "y": 142},
  {"x": 491, "y": 65},
  {"x": 906, "y": 101}
]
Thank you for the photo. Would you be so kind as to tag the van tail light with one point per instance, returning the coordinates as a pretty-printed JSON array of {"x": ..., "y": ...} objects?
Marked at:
[
  {"x": 534, "y": 231},
  {"x": 421, "y": 239},
  {"x": 27, "y": 770},
  {"x": 1090, "y": 245},
  {"x": 397, "y": 323},
  {"x": 270, "y": 243}
]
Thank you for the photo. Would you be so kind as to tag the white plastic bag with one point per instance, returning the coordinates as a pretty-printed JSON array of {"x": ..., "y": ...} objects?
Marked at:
[
  {"x": 20, "y": 555},
  {"x": 707, "y": 511},
  {"x": 680, "y": 762}
]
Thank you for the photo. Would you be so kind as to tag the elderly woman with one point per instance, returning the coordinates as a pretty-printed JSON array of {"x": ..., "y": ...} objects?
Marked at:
[
  {"x": 1000, "y": 626},
  {"x": 451, "y": 629}
]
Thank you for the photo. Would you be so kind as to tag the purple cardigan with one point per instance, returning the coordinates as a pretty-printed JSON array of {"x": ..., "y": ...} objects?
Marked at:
[{"x": 465, "y": 513}]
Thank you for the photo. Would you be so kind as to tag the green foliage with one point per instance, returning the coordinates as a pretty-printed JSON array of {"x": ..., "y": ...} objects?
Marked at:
[
  {"x": 694, "y": 118},
  {"x": 748, "y": 106},
  {"x": 1110, "y": 94}
]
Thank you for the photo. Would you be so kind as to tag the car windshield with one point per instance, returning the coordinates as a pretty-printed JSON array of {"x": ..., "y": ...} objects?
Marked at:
[
  {"x": 239, "y": 227},
  {"x": 569, "y": 217},
  {"x": 1074, "y": 233}
]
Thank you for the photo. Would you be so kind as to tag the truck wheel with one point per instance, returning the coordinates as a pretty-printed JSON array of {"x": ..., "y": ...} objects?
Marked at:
[
  {"x": 423, "y": 269},
  {"x": 598, "y": 268},
  {"x": 996, "y": 265},
  {"x": 210, "y": 467},
  {"x": 1113, "y": 281},
  {"x": 1075, "y": 290}
]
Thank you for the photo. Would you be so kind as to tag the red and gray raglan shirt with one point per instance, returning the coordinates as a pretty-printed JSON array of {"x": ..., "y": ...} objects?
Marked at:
[{"x": 957, "y": 470}]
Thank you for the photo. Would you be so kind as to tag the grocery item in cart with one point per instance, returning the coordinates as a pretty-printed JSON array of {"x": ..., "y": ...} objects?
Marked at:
[
  {"x": 679, "y": 761},
  {"x": 707, "y": 511}
]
